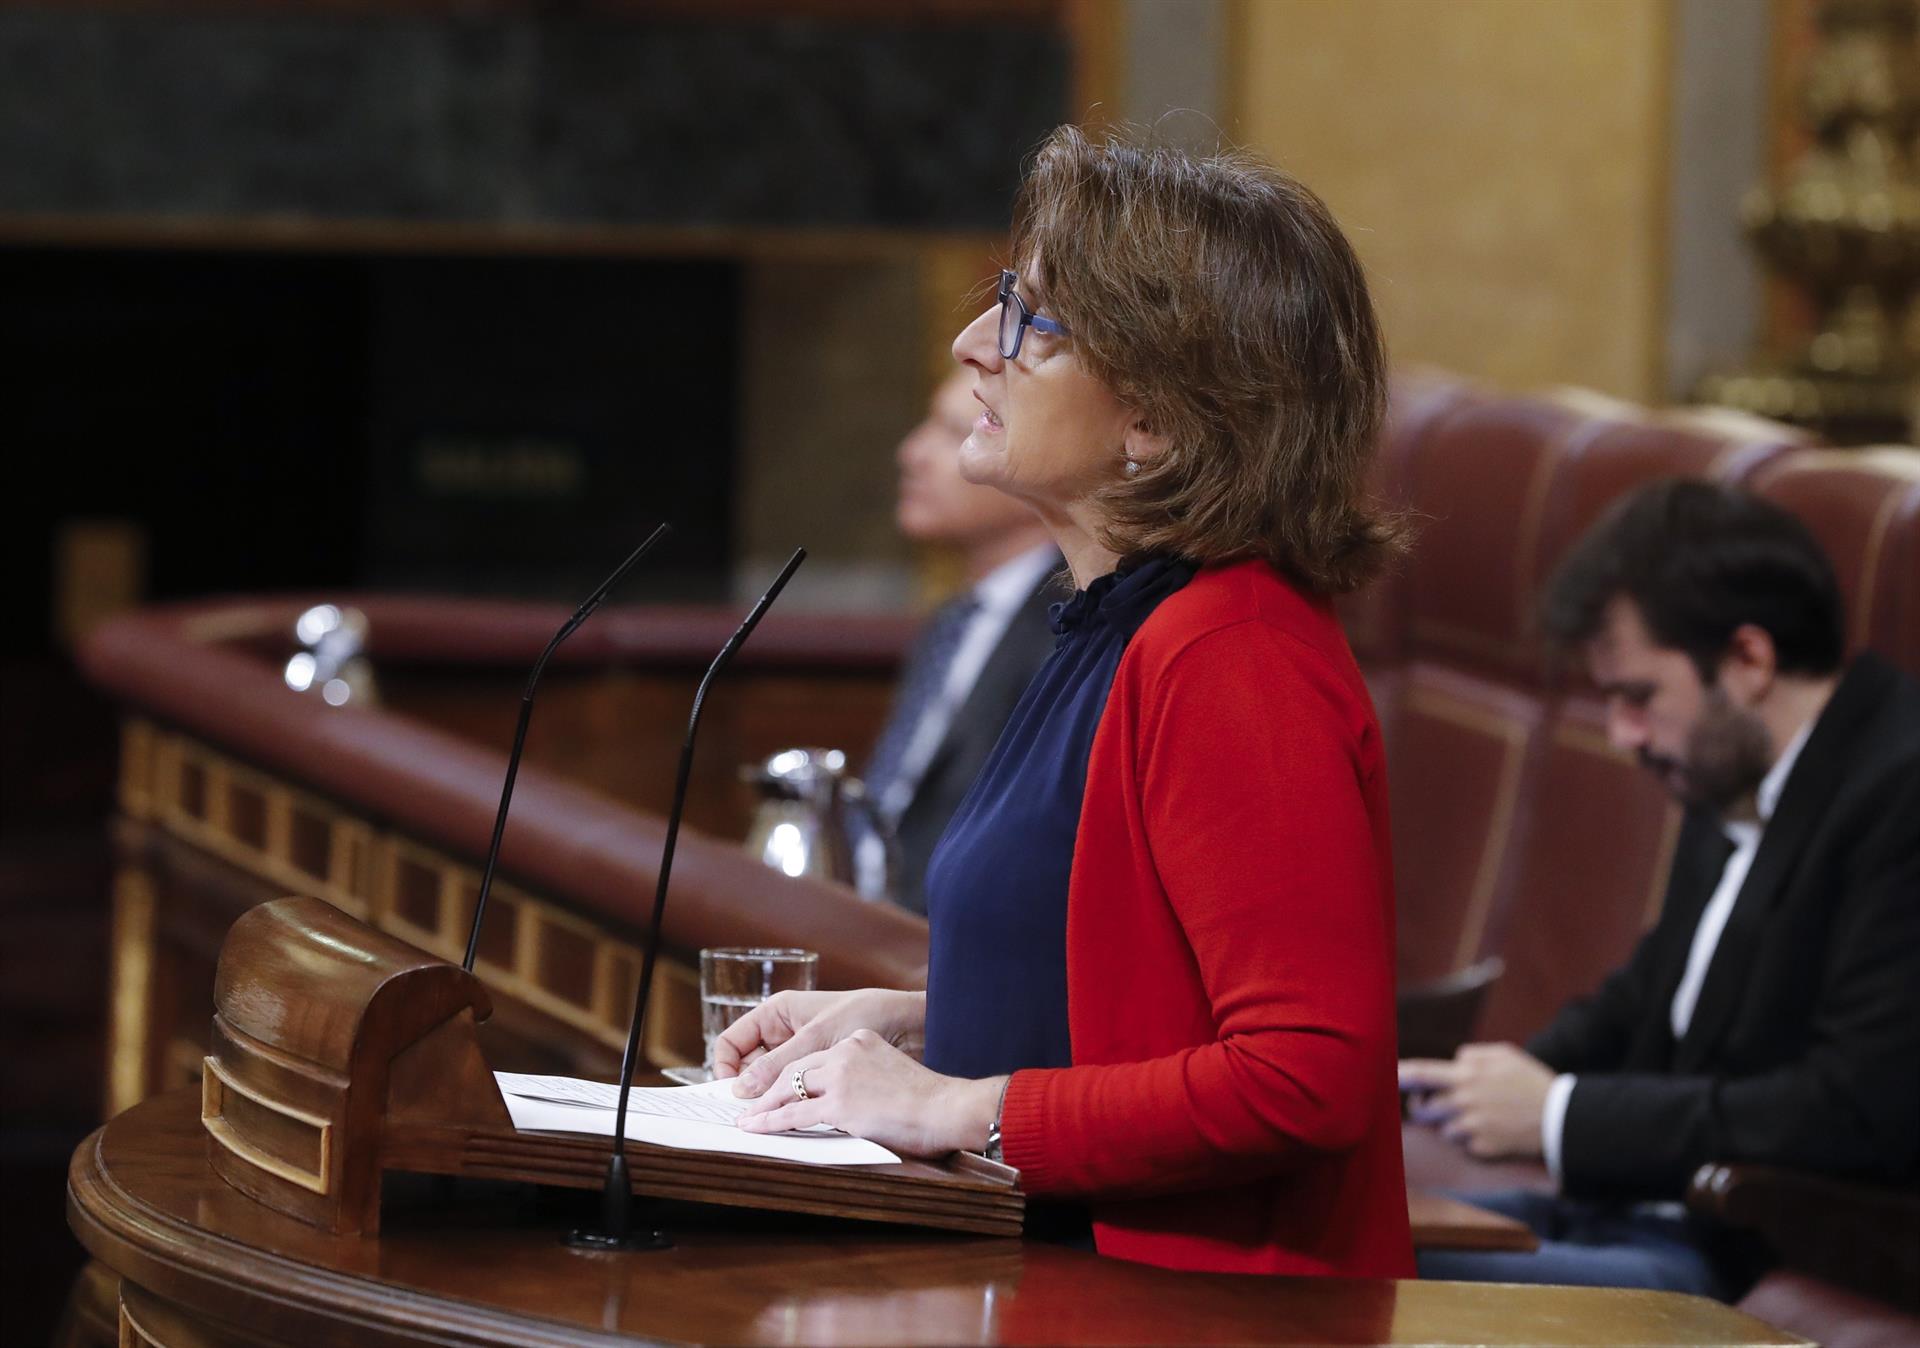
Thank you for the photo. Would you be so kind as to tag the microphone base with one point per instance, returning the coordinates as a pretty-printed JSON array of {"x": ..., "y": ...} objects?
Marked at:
[
  {"x": 584, "y": 1239},
  {"x": 615, "y": 1231}
]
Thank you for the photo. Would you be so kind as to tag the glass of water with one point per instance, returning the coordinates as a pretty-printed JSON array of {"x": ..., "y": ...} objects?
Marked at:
[{"x": 735, "y": 979}]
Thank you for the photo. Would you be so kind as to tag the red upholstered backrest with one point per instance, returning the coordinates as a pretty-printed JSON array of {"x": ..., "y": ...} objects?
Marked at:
[
  {"x": 1712, "y": 443},
  {"x": 1462, "y": 700},
  {"x": 1517, "y": 829},
  {"x": 1375, "y": 618},
  {"x": 1480, "y": 484},
  {"x": 1864, "y": 507}
]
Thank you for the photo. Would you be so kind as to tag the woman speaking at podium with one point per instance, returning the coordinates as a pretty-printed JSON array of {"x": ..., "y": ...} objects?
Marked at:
[{"x": 1161, "y": 966}]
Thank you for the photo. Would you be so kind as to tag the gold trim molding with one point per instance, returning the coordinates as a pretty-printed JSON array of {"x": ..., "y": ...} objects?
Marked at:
[{"x": 542, "y": 955}]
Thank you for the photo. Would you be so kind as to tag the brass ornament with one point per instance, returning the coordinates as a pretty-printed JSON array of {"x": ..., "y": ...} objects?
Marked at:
[{"x": 1844, "y": 229}]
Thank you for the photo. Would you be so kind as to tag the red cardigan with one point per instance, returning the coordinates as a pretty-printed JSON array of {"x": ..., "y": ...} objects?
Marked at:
[{"x": 1232, "y": 1104}]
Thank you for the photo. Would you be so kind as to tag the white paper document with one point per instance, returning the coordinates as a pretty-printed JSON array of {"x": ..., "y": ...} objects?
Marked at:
[{"x": 695, "y": 1118}]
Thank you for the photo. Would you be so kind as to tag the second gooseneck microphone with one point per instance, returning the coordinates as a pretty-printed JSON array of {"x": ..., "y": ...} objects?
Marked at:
[{"x": 616, "y": 1200}]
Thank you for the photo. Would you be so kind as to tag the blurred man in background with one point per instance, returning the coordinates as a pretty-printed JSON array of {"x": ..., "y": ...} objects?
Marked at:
[
  {"x": 972, "y": 660},
  {"x": 1773, "y": 1013}
]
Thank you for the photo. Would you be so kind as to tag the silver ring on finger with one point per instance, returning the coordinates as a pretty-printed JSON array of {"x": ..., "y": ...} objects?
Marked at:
[{"x": 800, "y": 1084}]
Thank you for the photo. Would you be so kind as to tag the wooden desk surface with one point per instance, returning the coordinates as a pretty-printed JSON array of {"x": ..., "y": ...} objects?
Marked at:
[
  {"x": 1442, "y": 1223},
  {"x": 486, "y": 1266}
]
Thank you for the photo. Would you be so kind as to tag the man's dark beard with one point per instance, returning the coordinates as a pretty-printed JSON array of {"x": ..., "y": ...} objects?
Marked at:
[{"x": 1728, "y": 755}]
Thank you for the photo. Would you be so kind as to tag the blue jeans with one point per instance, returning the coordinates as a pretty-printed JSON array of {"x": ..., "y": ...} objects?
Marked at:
[{"x": 1585, "y": 1245}]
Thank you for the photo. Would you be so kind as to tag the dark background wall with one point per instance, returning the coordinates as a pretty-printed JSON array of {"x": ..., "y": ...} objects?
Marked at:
[{"x": 558, "y": 114}]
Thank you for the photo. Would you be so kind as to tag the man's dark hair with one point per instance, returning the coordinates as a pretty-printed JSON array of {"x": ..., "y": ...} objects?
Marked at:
[{"x": 1699, "y": 560}]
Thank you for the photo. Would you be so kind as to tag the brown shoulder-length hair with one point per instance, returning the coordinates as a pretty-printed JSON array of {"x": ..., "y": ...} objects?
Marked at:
[{"x": 1218, "y": 296}]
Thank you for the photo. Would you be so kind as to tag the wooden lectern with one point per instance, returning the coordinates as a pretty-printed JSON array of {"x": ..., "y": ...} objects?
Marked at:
[{"x": 340, "y": 1053}]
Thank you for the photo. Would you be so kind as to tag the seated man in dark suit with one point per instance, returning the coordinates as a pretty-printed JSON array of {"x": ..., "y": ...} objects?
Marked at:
[
  {"x": 972, "y": 661},
  {"x": 1773, "y": 1013}
]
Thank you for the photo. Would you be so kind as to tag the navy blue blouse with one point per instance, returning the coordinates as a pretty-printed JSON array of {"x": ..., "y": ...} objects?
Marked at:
[{"x": 997, "y": 882}]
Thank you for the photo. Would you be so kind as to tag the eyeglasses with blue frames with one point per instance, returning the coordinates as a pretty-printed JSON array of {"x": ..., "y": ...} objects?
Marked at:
[{"x": 1016, "y": 318}]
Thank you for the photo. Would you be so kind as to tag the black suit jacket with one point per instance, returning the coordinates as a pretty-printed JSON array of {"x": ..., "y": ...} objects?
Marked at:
[
  {"x": 1804, "y": 1046},
  {"x": 970, "y": 738}
]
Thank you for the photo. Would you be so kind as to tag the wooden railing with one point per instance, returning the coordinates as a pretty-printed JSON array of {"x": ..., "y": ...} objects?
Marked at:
[{"x": 235, "y": 790}]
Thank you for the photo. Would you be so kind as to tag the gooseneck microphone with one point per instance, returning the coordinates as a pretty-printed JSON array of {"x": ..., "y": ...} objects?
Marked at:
[
  {"x": 567, "y": 629},
  {"x": 616, "y": 1200}
]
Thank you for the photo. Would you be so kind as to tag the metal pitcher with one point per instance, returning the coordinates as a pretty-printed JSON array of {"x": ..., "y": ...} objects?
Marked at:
[{"x": 800, "y": 827}]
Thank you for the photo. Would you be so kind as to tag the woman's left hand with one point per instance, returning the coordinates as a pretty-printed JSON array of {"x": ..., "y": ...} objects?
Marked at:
[{"x": 865, "y": 1086}]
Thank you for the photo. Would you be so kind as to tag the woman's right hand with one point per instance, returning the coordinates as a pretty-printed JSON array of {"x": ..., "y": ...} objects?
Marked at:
[{"x": 790, "y": 1025}]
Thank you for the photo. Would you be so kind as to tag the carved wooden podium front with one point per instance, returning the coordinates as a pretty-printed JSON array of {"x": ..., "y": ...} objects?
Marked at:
[
  {"x": 340, "y": 1053},
  {"x": 326, "y": 1036}
]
